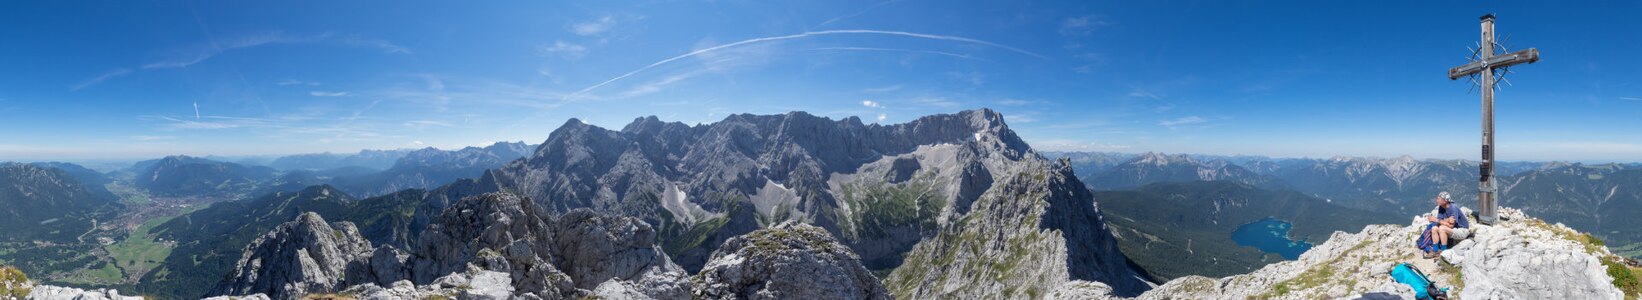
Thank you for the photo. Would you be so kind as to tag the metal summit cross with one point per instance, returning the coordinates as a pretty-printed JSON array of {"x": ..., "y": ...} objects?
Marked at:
[{"x": 1482, "y": 70}]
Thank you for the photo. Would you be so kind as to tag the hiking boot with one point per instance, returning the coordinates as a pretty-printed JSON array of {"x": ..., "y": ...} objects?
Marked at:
[{"x": 1431, "y": 255}]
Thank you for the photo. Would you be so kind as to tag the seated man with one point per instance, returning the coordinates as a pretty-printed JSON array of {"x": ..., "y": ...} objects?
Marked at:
[{"x": 1452, "y": 225}]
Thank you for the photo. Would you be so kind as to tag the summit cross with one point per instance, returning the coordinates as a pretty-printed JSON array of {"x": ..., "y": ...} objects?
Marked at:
[{"x": 1484, "y": 66}]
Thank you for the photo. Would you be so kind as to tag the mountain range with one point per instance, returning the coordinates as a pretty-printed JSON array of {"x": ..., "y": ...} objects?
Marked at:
[
  {"x": 1601, "y": 199},
  {"x": 944, "y": 206}
]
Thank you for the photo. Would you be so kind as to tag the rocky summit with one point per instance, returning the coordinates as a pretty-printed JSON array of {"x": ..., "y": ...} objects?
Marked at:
[
  {"x": 788, "y": 261},
  {"x": 1521, "y": 258},
  {"x": 297, "y": 258}
]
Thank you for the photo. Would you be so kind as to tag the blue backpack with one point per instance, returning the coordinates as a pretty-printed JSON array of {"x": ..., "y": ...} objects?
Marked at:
[
  {"x": 1426, "y": 242},
  {"x": 1423, "y": 287}
]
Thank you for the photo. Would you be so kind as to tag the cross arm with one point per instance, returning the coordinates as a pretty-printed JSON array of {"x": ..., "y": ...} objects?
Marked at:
[{"x": 1498, "y": 61}]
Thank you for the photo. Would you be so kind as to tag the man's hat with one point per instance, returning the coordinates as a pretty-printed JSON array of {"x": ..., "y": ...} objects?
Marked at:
[{"x": 1444, "y": 196}]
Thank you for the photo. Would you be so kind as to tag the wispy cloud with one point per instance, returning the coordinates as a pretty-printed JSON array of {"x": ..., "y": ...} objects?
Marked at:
[
  {"x": 1075, "y": 145},
  {"x": 562, "y": 49},
  {"x": 199, "y": 53},
  {"x": 420, "y": 124},
  {"x": 195, "y": 54},
  {"x": 147, "y": 138},
  {"x": 381, "y": 44},
  {"x": 855, "y": 14},
  {"x": 882, "y": 89},
  {"x": 594, "y": 27},
  {"x": 882, "y": 116},
  {"x": 1188, "y": 120},
  {"x": 100, "y": 78},
  {"x": 1082, "y": 25},
  {"x": 1145, "y": 94},
  {"x": 975, "y": 78},
  {"x": 1630, "y": 98},
  {"x": 963, "y": 56},
  {"x": 1025, "y": 117},
  {"x": 937, "y": 102},
  {"x": 273, "y": 127},
  {"x": 659, "y": 84},
  {"x": 196, "y": 110},
  {"x": 576, "y": 95},
  {"x": 872, "y": 104},
  {"x": 1018, "y": 102},
  {"x": 327, "y": 94},
  {"x": 296, "y": 82}
]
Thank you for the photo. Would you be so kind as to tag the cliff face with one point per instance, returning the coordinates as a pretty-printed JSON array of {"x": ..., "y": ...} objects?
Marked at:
[
  {"x": 1033, "y": 233},
  {"x": 501, "y": 246},
  {"x": 1522, "y": 258},
  {"x": 299, "y": 257},
  {"x": 880, "y": 189},
  {"x": 491, "y": 244}
]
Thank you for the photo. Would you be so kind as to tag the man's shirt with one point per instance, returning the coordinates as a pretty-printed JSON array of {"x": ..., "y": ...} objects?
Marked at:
[{"x": 1452, "y": 211}]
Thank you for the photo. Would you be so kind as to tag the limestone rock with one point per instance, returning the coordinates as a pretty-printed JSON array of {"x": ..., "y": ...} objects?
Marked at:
[
  {"x": 789, "y": 261},
  {"x": 1528, "y": 259},
  {"x": 1036, "y": 229},
  {"x": 47, "y": 292},
  {"x": 595, "y": 249},
  {"x": 498, "y": 232},
  {"x": 1522, "y": 258},
  {"x": 298, "y": 257},
  {"x": 472, "y": 284}
]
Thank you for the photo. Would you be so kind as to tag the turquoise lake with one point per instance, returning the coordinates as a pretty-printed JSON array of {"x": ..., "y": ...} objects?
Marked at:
[{"x": 1270, "y": 235}]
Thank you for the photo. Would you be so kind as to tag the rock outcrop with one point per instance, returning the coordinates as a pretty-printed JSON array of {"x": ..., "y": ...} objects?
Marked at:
[
  {"x": 297, "y": 258},
  {"x": 501, "y": 246},
  {"x": 1529, "y": 259},
  {"x": 47, "y": 292},
  {"x": 498, "y": 232},
  {"x": 789, "y": 261},
  {"x": 495, "y": 245},
  {"x": 1521, "y": 258},
  {"x": 1036, "y": 230}
]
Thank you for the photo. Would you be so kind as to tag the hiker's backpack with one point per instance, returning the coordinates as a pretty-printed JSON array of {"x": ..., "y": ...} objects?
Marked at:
[
  {"x": 1426, "y": 242},
  {"x": 1423, "y": 287}
]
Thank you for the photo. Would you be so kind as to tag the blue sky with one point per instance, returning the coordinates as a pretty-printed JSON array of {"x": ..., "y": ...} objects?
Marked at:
[{"x": 118, "y": 79}]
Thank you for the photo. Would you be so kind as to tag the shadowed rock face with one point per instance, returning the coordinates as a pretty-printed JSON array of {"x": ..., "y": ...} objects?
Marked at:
[
  {"x": 299, "y": 257},
  {"x": 490, "y": 244},
  {"x": 789, "y": 261},
  {"x": 676, "y": 176}
]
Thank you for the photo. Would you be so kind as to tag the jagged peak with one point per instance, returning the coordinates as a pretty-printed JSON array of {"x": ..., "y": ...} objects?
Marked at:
[{"x": 1160, "y": 158}]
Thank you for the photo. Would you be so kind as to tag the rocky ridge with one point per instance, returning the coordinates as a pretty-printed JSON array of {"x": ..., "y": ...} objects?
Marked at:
[
  {"x": 880, "y": 189},
  {"x": 1523, "y": 258},
  {"x": 502, "y": 246}
]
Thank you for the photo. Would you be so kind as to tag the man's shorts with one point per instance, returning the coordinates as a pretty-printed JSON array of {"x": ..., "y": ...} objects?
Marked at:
[{"x": 1459, "y": 234}]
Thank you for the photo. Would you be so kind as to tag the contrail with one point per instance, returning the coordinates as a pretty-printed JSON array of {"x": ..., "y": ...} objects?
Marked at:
[
  {"x": 572, "y": 96},
  {"x": 196, "y": 110},
  {"x": 898, "y": 50}
]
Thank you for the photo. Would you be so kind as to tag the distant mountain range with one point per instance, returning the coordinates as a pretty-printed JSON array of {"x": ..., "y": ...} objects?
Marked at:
[
  {"x": 1603, "y": 199},
  {"x": 429, "y": 168},
  {"x": 374, "y": 159},
  {"x": 184, "y": 176},
  {"x": 959, "y": 181},
  {"x": 49, "y": 203}
]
